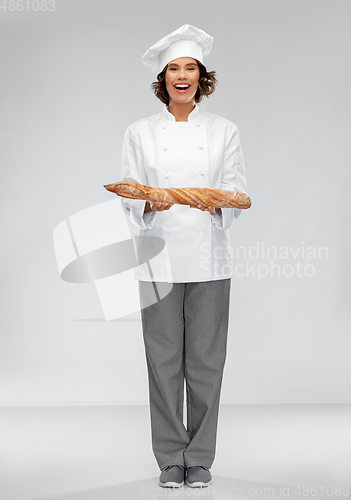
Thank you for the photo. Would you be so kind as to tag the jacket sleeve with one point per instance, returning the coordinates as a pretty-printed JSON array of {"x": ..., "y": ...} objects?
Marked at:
[
  {"x": 132, "y": 169},
  {"x": 233, "y": 178}
]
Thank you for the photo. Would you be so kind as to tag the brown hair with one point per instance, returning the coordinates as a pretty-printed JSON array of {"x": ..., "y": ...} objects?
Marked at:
[{"x": 207, "y": 84}]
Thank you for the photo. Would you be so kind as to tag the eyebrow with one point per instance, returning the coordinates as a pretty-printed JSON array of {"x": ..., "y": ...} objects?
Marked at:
[{"x": 189, "y": 64}]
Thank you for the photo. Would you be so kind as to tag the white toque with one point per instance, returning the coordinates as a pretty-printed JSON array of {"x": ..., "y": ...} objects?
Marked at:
[{"x": 186, "y": 41}]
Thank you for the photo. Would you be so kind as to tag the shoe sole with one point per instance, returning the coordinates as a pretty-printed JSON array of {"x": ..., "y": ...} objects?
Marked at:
[
  {"x": 198, "y": 484},
  {"x": 171, "y": 484}
]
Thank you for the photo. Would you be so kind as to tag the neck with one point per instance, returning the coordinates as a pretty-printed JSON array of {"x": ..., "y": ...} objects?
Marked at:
[{"x": 181, "y": 111}]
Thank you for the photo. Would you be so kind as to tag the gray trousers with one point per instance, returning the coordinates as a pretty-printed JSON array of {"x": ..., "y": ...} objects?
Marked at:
[{"x": 185, "y": 337}]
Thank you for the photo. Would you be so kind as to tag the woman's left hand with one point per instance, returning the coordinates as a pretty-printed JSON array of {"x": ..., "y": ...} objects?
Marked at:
[{"x": 203, "y": 207}]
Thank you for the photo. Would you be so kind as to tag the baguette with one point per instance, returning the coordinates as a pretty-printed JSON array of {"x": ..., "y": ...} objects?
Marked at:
[{"x": 218, "y": 198}]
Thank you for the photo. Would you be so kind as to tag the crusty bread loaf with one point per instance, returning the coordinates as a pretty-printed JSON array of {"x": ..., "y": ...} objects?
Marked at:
[{"x": 218, "y": 198}]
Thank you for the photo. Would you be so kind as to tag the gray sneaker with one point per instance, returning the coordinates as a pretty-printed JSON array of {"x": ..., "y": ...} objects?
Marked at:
[
  {"x": 172, "y": 476},
  {"x": 198, "y": 476}
]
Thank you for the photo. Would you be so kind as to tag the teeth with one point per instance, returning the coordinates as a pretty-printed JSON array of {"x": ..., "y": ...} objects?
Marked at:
[{"x": 182, "y": 86}]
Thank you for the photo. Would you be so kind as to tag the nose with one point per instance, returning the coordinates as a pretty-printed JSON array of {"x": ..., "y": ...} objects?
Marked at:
[{"x": 182, "y": 73}]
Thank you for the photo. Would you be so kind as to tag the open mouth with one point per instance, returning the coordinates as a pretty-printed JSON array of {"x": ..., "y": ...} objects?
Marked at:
[{"x": 182, "y": 87}]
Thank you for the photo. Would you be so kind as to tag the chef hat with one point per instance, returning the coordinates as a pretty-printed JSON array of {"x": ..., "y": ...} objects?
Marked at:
[{"x": 186, "y": 41}]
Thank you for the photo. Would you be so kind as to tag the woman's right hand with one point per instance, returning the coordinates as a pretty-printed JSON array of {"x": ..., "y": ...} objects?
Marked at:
[{"x": 157, "y": 205}]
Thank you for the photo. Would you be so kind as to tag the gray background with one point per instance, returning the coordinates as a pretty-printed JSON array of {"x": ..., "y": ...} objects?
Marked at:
[{"x": 71, "y": 82}]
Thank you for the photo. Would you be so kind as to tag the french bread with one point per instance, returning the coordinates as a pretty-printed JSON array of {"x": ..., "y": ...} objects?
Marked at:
[{"x": 218, "y": 198}]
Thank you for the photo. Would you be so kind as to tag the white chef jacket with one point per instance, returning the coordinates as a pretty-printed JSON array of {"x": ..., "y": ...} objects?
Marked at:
[{"x": 203, "y": 152}]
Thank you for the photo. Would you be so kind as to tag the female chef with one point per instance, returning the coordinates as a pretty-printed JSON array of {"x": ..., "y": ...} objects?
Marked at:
[{"x": 188, "y": 282}]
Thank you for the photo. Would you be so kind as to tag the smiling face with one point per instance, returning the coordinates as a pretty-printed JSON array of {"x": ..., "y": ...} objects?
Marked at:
[{"x": 182, "y": 78}]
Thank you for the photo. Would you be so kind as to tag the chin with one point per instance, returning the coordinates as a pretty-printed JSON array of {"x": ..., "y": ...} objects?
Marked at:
[{"x": 185, "y": 100}]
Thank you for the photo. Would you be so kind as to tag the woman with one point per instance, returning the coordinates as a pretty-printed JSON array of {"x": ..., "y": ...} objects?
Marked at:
[{"x": 184, "y": 285}]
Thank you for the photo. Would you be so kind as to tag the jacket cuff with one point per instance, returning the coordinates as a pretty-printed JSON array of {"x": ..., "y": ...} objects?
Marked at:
[
  {"x": 223, "y": 218},
  {"x": 149, "y": 218},
  {"x": 217, "y": 219},
  {"x": 139, "y": 218},
  {"x": 135, "y": 210}
]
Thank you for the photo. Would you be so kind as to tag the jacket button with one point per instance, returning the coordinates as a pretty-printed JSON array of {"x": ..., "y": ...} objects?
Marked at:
[
  {"x": 163, "y": 126},
  {"x": 202, "y": 172},
  {"x": 198, "y": 124},
  {"x": 165, "y": 149},
  {"x": 201, "y": 147},
  {"x": 167, "y": 176},
  {"x": 169, "y": 230},
  {"x": 204, "y": 230}
]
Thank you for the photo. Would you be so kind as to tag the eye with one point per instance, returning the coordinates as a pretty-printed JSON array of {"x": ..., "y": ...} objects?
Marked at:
[{"x": 171, "y": 69}]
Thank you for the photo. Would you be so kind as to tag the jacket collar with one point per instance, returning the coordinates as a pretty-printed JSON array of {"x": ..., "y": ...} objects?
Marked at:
[{"x": 192, "y": 116}]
